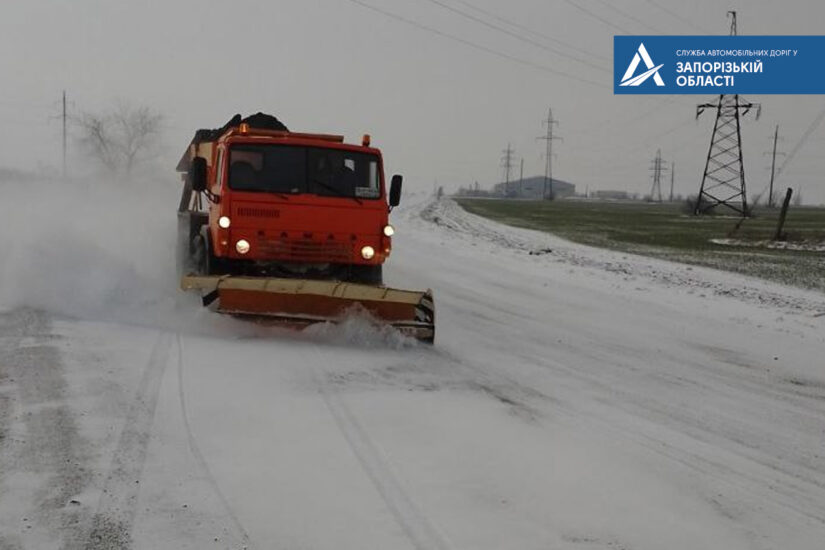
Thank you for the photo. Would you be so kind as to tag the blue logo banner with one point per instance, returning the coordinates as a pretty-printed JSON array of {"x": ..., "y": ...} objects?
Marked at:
[{"x": 719, "y": 65}]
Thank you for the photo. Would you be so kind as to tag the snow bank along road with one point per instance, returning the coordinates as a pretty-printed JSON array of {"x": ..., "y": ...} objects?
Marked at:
[{"x": 576, "y": 398}]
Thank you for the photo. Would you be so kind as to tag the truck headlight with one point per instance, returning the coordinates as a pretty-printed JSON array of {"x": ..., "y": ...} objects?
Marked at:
[
  {"x": 389, "y": 230},
  {"x": 367, "y": 252},
  {"x": 224, "y": 222},
  {"x": 242, "y": 246}
]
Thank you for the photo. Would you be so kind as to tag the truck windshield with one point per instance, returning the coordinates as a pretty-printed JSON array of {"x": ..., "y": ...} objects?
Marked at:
[{"x": 291, "y": 169}]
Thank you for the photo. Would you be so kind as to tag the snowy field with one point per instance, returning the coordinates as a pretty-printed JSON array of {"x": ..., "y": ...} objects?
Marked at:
[{"x": 576, "y": 398}]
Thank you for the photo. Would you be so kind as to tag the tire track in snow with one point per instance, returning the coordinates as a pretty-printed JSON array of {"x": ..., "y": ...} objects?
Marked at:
[
  {"x": 641, "y": 432},
  {"x": 112, "y": 523},
  {"x": 783, "y": 492},
  {"x": 416, "y": 526},
  {"x": 243, "y": 535},
  {"x": 39, "y": 437},
  {"x": 789, "y": 488}
]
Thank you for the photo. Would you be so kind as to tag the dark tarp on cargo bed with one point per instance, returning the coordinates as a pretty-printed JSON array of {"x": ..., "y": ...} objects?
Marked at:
[{"x": 258, "y": 120}]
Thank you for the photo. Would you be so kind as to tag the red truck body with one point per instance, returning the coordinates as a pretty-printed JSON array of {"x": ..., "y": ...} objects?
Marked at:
[{"x": 301, "y": 227}]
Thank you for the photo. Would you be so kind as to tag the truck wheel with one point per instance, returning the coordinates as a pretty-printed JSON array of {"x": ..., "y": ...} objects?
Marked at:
[
  {"x": 206, "y": 262},
  {"x": 181, "y": 266},
  {"x": 183, "y": 252}
]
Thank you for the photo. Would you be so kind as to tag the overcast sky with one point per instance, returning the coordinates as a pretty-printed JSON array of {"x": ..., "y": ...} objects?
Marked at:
[{"x": 441, "y": 110}]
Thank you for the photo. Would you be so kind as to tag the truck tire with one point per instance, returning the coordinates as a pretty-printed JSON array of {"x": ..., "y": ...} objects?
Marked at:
[
  {"x": 206, "y": 262},
  {"x": 183, "y": 250}
]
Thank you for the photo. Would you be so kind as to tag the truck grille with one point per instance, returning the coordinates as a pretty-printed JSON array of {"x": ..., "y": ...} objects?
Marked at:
[
  {"x": 248, "y": 211},
  {"x": 308, "y": 251}
]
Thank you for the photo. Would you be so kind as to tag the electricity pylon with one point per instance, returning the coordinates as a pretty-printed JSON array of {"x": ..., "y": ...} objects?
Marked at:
[{"x": 723, "y": 182}]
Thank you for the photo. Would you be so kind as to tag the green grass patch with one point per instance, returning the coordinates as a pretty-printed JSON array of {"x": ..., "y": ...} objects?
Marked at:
[{"x": 667, "y": 231}]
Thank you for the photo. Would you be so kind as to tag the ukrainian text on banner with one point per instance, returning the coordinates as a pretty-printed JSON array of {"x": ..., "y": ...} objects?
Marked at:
[{"x": 719, "y": 65}]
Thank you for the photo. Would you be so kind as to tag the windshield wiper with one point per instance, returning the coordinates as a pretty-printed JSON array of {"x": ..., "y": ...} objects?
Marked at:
[
  {"x": 335, "y": 190},
  {"x": 281, "y": 195}
]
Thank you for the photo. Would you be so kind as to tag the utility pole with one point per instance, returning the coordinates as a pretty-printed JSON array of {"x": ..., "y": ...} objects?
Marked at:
[
  {"x": 64, "y": 118},
  {"x": 64, "y": 134},
  {"x": 656, "y": 190},
  {"x": 548, "y": 167},
  {"x": 779, "y": 235},
  {"x": 521, "y": 179},
  {"x": 507, "y": 164},
  {"x": 723, "y": 182},
  {"x": 773, "y": 166},
  {"x": 672, "y": 178}
]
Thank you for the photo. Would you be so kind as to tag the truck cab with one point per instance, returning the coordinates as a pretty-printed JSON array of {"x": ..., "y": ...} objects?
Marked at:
[{"x": 260, "y": 200}]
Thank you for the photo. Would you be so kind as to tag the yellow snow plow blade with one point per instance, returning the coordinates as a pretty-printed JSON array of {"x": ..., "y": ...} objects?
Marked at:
[{"x": 301, "y": 302}]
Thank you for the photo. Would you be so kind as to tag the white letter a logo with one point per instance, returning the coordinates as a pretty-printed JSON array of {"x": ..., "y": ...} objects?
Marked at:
[{"x": 641, "y": 55}]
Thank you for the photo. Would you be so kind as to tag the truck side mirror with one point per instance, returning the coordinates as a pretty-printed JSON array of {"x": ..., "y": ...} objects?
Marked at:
[
  {"x": 197, "y": 174},
  {"x": 395, "y": 190}
]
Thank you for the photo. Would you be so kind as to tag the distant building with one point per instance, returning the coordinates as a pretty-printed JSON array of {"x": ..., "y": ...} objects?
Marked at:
[
  {"x": 612, "y": 195},
  {"x": 533, "y": 188}
]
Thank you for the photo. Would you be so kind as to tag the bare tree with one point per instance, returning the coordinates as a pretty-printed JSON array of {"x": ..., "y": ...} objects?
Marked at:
[{"x": 122, "y": 138}]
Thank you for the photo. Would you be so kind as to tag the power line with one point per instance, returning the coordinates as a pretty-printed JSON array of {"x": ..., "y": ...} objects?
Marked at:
[
  {"x": 677, "y": 16},
  {"x": 597, "y": 17},
  {"x": 630, "y": 16},
  {"x": 625, "y": 152},
  {"x": 813, "y": 126},
  {"x": 629, "y": 122},
  {"x": 625, "y": 121},
  {"x": 476, "y": 46},
  {"x": 610, "y": 156},
  {"x": 531, "y": 31},
  {"x": 517, "y": 36}
]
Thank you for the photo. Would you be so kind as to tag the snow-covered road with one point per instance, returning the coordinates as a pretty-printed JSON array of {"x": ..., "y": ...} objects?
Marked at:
[{"x": 576, "y": 398}]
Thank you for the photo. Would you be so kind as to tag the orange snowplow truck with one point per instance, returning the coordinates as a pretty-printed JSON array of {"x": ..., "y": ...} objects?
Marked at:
[{"x": 291, "y": 227}]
